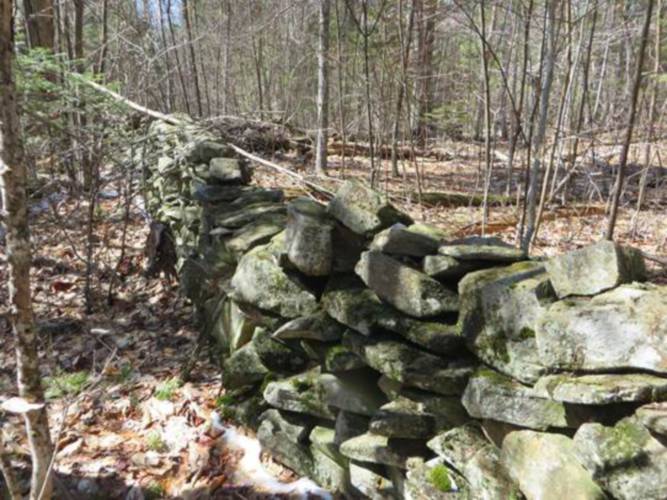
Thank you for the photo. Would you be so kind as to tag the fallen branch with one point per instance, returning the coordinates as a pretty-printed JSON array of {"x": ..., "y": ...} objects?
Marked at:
[
  {"x": 280, "y": 169},
  {"x": 655, "y": 258},
  {"x": 175, "y": 121}
]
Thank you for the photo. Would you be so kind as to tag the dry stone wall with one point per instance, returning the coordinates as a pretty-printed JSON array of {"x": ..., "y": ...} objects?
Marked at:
[{"x": 384, "y": 360}]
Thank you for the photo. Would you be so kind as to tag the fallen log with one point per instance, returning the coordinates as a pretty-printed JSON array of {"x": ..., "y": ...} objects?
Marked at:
[
  {"x": 458, "y": 199},
  {"x": 385, "y": 151}
]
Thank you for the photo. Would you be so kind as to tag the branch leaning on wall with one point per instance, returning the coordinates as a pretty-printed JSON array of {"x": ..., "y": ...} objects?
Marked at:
[{"x": 175, "y": 121}]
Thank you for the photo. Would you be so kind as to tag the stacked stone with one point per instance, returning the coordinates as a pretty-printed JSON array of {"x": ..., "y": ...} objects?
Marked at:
[{"x": 384, "y": 360}]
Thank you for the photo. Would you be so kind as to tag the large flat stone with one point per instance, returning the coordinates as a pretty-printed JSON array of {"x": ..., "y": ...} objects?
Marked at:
[
  {"x": 399, "y": 240},
  {"x": 322, "y": 394},
  {"x": 625, "y": 459},
  {"x": 407, "y": 289},
  {"x": 494, "y": 396},
  {"x": 546, "y": 467},
  {"x": 602, "y": 389},
  {"x": 364, "y": 210},
  {"x": 418, "y": 417},
  {"x": 499, "y": 310},
  {"x": 258, "y": 232},
  {"x": 382, "y": 450},
  {"x": 259, "y": 280},
  {"x": 411, "y": 366},
  {"x": 446, "y": 268},
  {"x": 595, "y": 268},
  {"x": 624, "y": 328},
  {"x": 485, "y": 249},
  {"x": 317, "y": 326},
  {"x": 349, "y": 302}
]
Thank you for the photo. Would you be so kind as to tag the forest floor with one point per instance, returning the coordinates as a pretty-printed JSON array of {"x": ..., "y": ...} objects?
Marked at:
[{"x": 122, "y": 420}]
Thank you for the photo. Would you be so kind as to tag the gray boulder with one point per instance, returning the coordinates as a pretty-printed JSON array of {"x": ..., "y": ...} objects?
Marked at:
[
  {"x": 320, "y": 394},
  {"x": 351, "y": 303},
  {"x": 296, "y": 427},
  {"x": 234, "y": 219},
  {"x": 595, "y": 268},
  {"x": 372, "y": 481},
  {"x": 499, "y": 310},
  {"x": 407, "y": 289},
  {"x": 546, "y": 467},
  {"x": 444, "y": 267},
  {"x": 347, "y": 301},
  {"x": 279, "y": 440},
  {"x": 202, "y": 151},
  {"x": 399, "y": 240},
  {"x": 602, "y": 389},
  {"x": 625, "y": 459},
  {"x": 243, "y": 368},
  {"x": 228, "y": 170},
  {"x": 624, "y": 328},
  {"x": 276, "y": 355},
  {"x": 259, "y": 280},
  {"x": 349, "y": 425},
  {"x": 418, "y": 415},
  {"x": 494, "y": 396},
  {"x": 478, "y": 248},
  {"x": 330, "y": 467},
  {"x": 317, "y": 326},
  {"x": 654, "y": 417},
  {"x": 411, "y": 366},
  {"x": 309, "y": 234},
  {"x": 378, "y": 449},
  {"x": 258, "y": 232},
  {"x": 478, "y": 460},
  {"x": 433, "y": 480},
  {"x": 364, "y": 210}
]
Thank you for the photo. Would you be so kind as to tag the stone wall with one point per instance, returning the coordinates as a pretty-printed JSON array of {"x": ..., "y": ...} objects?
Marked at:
[{"x": 383, "y": 360}]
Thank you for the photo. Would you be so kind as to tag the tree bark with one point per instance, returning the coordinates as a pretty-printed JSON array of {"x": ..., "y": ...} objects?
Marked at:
[
  {"x": 406, "y": 42},
  {"x": 13, "y": 187},
  {"x": 620, "y": 175},
  {"x": 39, "y": 18},
  {"x": 545, "y": 91},
  {"x": 322, "y": 89},
  {"x": 193, "y": 57}
]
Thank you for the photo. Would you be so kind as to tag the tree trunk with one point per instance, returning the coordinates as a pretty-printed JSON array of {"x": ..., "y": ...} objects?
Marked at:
[
  {"x": 545, "y": 92},
  {"x": 651, "y": 118},
  {"x": 39, "y": 18},
  {"x": 406, "y": 41},
  {"x": 322, "y": 90},
  {"x": 487, "y": 114},
  {"x": 426, "y": 42},
  {"x": 13, "y": 187},
  {"x": 620, "y": 175},
  {"x": 193, "y": 57}
]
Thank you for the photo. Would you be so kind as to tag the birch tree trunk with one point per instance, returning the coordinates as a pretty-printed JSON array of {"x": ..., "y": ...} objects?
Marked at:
[
  {"x": 322, "y": 89},
  {"x": 15, "y": 218}
]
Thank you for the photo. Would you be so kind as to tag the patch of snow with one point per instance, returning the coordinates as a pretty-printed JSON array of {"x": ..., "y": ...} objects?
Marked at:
[{"x": 252, "y": 472}]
